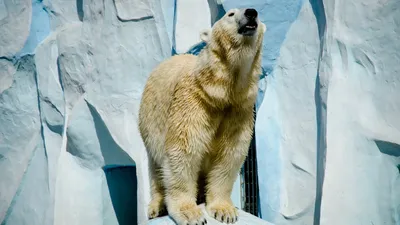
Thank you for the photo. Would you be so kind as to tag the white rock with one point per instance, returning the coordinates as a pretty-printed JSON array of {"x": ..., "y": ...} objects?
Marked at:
[
  {"x": 362, "y": 180},
  {"x": 286, "y": 127},
  {"x": 350, "y": 124},
  {"x": 14, "y": 25},
  {"x": 20, "y": 136},
  {"x": 243, "y": 219},
  {"x": 192, "y": 16},
  {"x": 7, "y": 71},
  {"x": 70, "y": 150},
  {"x": 133, "y": 10}
]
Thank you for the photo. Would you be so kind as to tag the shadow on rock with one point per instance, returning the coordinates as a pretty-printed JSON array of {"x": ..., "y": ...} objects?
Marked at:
[
  {"x": 122, "y": 185},
  {"x": 120, "y": 172}
]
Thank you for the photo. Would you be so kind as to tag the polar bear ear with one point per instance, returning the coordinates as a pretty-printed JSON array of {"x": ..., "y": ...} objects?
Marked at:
[{"x": 205, "y": 35}]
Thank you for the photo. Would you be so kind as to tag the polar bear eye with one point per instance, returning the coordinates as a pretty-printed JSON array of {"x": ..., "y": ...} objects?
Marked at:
[{"x": 231, "y": 14}]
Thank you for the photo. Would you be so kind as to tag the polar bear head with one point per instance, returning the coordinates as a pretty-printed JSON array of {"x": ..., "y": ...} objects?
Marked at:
[{"x": 235, "y": 27}]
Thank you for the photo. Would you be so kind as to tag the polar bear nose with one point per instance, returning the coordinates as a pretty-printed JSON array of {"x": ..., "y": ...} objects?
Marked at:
[{"x": 251, "y": 13}]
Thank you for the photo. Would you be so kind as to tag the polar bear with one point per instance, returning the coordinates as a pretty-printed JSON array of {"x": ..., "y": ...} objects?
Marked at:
[{"x": 196, "y": 119}]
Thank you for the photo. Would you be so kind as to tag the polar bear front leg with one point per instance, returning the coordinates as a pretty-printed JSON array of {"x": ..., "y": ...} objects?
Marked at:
[
  {"x": 156, "y": 206},
  {"x": 231, "y": 150},
  {"x": 180, "y": 177},
  {"x": 185, "y": 146}
]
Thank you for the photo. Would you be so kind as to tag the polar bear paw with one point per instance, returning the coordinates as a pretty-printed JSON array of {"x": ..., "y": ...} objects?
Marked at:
[
  {"x": 188, "y": 214},
  {"x": 224, "y": 212},
  {"x": 156, "y": 208}
]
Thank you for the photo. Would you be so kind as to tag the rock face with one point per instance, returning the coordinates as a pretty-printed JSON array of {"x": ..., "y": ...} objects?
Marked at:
[
  {"x": 72, "y": 74},
  {"x": 328, "y": 128}
]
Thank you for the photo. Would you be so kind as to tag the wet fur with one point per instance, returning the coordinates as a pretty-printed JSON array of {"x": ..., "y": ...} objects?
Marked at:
[{"x": 196, "y": 118}]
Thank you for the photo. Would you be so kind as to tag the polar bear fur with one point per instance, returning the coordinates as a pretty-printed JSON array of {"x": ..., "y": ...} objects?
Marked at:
[{"x": 196, "y": 119}]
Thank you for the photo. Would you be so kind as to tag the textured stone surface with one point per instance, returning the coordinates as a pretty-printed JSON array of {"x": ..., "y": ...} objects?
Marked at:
[
  {"x": 14, "y": 25},
  {"x": 133, "y": 10},
  {"x": 71, "y": 78},
  {"x": 7, "y": 71},
  {"x": 20, "y": 134},
  {"x": 362, "y": 178},
  {"x": 244, "y": 219},
  {"x": 328, "y": 127},
  {"x": 287, "y": 128}
]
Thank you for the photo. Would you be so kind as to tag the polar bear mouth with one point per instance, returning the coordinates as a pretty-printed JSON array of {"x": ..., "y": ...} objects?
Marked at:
[{"x": 249, "y": 28}]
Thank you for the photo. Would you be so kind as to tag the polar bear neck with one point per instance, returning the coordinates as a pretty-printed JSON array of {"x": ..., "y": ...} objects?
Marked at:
[
  {"x": 229, "y": 76},
  {"x": 237, "y": 63}
]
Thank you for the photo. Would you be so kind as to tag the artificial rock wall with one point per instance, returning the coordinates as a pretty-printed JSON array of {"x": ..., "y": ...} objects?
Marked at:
[{"x": 72, "y": 73}]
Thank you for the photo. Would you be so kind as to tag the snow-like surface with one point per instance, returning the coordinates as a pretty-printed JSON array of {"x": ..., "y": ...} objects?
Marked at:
[
  {"x": 328, "y": 129},
  {"x": 71, "y": 78},
  {"x": 243, "y": 219},
  {"x": 362, "y": 176},
  {"x": 286, "y": 127},
  {"x": 15, "y": 17}
]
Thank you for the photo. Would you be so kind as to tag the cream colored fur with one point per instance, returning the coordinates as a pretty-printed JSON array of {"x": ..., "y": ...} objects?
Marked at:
[{"x": 196, "y": 117}]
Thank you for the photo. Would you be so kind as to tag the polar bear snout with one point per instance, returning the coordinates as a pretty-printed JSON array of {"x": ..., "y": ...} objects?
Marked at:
[{"x": 249, "y": 22}]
